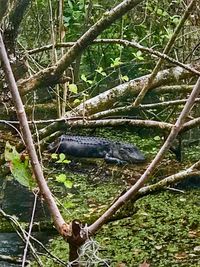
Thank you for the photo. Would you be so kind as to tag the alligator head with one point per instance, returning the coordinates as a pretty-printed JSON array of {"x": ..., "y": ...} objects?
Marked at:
[{"x": 128, "y": 153}]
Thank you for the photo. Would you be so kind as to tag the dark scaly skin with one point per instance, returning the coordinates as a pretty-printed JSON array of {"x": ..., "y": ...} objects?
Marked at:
[{"x": 94, "y": 147}]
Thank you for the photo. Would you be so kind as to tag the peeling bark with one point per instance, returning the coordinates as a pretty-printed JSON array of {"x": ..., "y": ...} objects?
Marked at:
[{"x": 107, "y": 99}]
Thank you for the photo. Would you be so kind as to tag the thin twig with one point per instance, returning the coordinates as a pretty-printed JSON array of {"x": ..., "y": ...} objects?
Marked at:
[
  {"x": 167, "y": 49},
  {"x": 150, "y": 169},
  {"x": 30, "y": 229},
  {"x": 59, "y": 222}
]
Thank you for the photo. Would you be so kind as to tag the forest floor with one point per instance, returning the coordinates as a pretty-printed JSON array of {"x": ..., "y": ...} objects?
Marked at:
[{"x": 162, "y": 229}]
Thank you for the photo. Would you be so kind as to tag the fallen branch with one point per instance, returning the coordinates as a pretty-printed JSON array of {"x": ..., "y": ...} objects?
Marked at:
[
  {"x": 168, "y": 181},
  {"x": 119, "y": 110},
  {"x": 108, "y": 98},
  {"x": 132, "y": 192}
]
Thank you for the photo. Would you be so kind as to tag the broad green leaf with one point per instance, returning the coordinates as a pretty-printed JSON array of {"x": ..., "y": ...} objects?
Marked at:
[
  {"x": 124, "y": 78},
  {"x": 61, "y": 178},
  {"x": 100, "y": 71},
  {"x": 68, "y": 184},
  {"x": 54, "y": 156},
  {"x": 83, "y": 77},
  {"x": 67, "y": 161},
  {"x": 89, "y": 81},
  {"x": 19, "y": 168},
  {"x": 159, "y": 11},
  {"x": 157, "y": 138},
  {"x": 73, "y": 88},
  {"x": 61, "y": 158},
  {"x": 77, "y": 101},
  {"x": 70, "y": 4},
  {"x": 116, "y": 62},
  {"x": 138, "y": 55}
]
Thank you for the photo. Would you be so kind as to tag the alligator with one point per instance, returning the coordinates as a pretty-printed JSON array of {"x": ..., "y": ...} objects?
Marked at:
[{"x": 95, "y": 147}]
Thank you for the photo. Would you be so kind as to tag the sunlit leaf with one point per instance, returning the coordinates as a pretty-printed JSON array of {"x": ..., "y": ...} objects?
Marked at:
[
  {"x": 61, "y": 178},
  {"x": 83, "y": 77},
  {"x": 61, "y": 158},
  {"x": 54, "y": 156},
  {"x": 73, "y": 88},
  {"x": 18, "y": 167},
  {"x": 67, "y": 161},
  {"x": 68, "y": 183},
  {"x": 100, "y": 71},
  {"x": 77, "y": 101},
  {"x": 116, "y": 62}
]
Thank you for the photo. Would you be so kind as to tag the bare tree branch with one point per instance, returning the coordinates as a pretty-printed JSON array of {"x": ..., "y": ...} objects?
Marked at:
[
  {"x": 134, "y": 189},
  {"x": 151, "y": 51},
  {"x": 107, "y": 99},
  {"x": 59, "y": 222},
  {"x": 51, "y": 75},
  {"x": 125, "y": 43},
  {"x": 119, "y": 110},
  {"x": 170, "y": 43}
]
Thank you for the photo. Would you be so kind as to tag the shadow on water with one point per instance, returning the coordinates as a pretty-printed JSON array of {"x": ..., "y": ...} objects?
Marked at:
[{"x": 18, "y": 201}]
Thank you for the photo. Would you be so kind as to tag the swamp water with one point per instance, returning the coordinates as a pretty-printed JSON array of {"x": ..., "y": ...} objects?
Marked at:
[{"x": 16, "y": 200}]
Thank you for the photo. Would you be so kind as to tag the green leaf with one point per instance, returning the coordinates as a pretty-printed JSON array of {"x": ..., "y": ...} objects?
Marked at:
[
  {"x": 83, "y": 77},
  {"x": 138, "y": 55},
  {"x": 73, "y": 88},
  {"x": 19, "y": 168},
  {"x": 54, "y": 156},
  {"x": 61, "y": 178},
  {"x": 70, "y": 4},
  {"x": 77, "y": 101},
  {"x": 89, "y": 81},
  {"x": 67, "y": 161},
  {"x": 100, "y": 71},
  {"x": 69, "y": 205},
  {"x": 61, "y": 157},
  {"x": 124, "y": 78},
  {"x": 157, "y": 138},
  {"x": 165, "y": 14},
  {"x": 116, "y": 62},
  {"x": 68, "y": 184},
  {"x": 159, "y": 11}
]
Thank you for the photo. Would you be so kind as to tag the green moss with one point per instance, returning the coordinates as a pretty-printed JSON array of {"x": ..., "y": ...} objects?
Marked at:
[{"x": 164, "y": 231}]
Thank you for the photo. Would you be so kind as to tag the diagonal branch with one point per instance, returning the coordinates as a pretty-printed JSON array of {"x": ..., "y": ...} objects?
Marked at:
[
  {"x": 125, "y": 43},
  {"x": 122, "y": 110},
  {"x": 37, "y": 170},
  {"x": 51, "y": 75},
  {"x": 162, "y": 56},
  {"x": 107, "y": 99},
  {"x": 170, "y": 43},
  {"x": 134, "y": 189}
]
